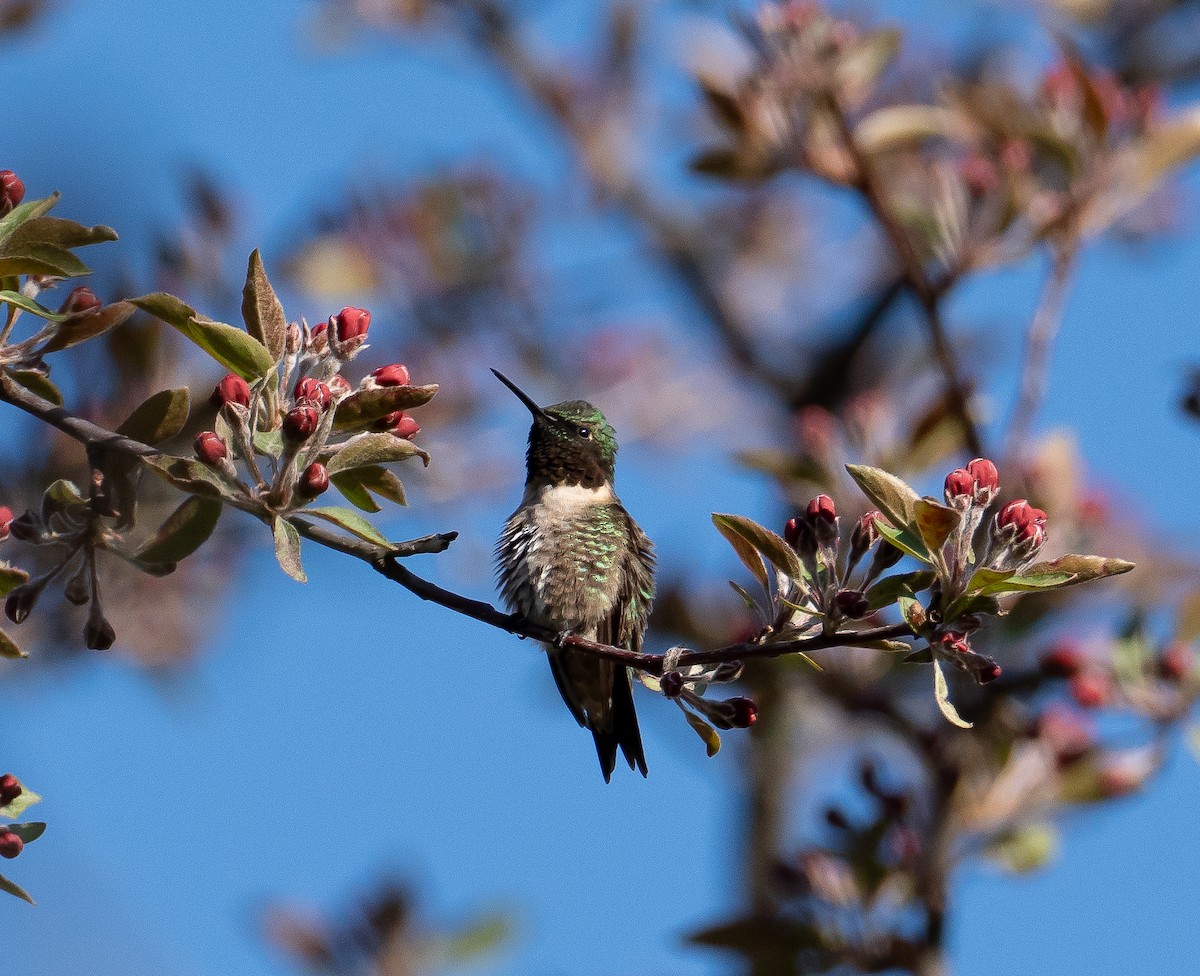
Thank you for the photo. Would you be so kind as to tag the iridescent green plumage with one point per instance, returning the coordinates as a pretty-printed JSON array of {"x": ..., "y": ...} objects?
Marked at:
[{"x": 571, "y": 558}]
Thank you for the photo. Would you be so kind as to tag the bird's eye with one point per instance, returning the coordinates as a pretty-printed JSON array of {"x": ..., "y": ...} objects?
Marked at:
[{"x": 585, "y": 433}]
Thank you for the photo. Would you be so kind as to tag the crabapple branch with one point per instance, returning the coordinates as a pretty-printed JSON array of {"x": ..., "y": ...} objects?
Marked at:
[{"x": 385, "y": 561}]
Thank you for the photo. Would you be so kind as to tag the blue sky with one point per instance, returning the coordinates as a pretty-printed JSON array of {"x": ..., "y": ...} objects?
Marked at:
[{"x": 338, "y": 728}]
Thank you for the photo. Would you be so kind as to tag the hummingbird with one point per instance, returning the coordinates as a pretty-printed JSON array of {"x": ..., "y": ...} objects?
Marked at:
[{"x": 572, "y": 559}]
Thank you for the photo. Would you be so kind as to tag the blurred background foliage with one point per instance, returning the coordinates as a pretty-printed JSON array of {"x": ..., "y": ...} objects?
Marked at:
[{"x": 690, "y": 233}]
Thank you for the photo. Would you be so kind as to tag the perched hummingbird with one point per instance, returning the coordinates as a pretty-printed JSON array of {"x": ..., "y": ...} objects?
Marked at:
[{"x": 571, "y": 559}]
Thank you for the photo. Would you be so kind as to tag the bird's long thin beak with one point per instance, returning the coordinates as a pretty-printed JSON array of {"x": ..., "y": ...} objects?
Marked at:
[{"x": 521, "y": 394}]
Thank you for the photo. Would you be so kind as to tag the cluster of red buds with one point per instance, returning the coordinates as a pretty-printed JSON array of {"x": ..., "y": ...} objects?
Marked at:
[
  {"x": 834, "y": 589},
  {"x": 301, "y": 407},
  {"x": 11, "y": 843},
  {"x": 686, "y": 686},
  {"x": 1013, "y": 537}
]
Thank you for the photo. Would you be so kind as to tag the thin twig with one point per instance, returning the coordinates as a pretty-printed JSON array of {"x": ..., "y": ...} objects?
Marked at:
[
  {"x": 385, "y": 560},
  {"x": 1043, "y": 328},
  {"x": 927, "y": 294}
]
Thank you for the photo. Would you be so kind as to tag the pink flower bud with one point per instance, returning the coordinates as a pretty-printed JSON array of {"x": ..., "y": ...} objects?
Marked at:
[
  {"x": 1063, "y": 660},
  {"x": 313, "y": 391},
  {"x": 351, "y": 323},
  {"x": 300, "y": 422},
  {"x": 314, "y": 481},
  {"x": 1020, "y": 513},
  {"x": 397, "y": 423},
  {"x": 743, "y": 712},
  {"x": 959, "y": 488},
  {"x": 671, "y": 684},
  {"x": 80, "y": 301},
  {"x": 985, "y": 478},
  {"x": 394, "y": 375},
  {"x": 12, "y": 192},
  {"x": 10, "y": 844},
  {"x": 339, "y": 386},
  {"x": 232, "y": 389},
  {"x": 210, "y": 448},
  {"x": 6, "y": 517},
  {"x": 1091, "y": 689},
  {"x": 10, "y": 789}
]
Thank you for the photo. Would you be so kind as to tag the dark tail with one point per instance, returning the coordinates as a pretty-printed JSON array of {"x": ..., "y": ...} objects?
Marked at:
[
  {"x": 624, "y": 731},
  {"x": 588, "y": 685}
]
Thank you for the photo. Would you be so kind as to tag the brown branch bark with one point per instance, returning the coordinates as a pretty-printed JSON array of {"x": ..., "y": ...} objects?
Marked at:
[{"x": 386, "y": 560}]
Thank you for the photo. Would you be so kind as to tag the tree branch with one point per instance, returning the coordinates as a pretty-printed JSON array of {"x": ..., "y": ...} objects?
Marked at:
[
  {"x": 385, "y": 560},
  {"x": 928, "y": 296}
]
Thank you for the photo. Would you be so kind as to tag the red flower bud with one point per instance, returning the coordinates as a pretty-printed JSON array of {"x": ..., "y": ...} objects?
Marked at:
[
  {"x": 339, "y": 386},
  {"x": 743, "y": 712},
  {"x": 80, "y": 301},
  {"x": 1063, "y": 660},
  {"x": 852, "y": 604},
  {"x": 822, "y": 509},
  {"x": 985, "y": 479},
  {"x": 1091, "y": 689},
  {"x": 955, "y": 642},
  {"x": 988, "y": 671},
  {"x": 10, "y": 844},
  {"x": 865, "y": 534},
  {"x": 210, "y": 448},
  {"x": 10, "y": 789},
  {"x": 1176, "y": 662},
  {"x": 232, "y": 389},
  {"x": 351, "y": 323},
  {"x": 397, "y": 423},
  {"x": 959, "y": 485},
  {"x": 671, "y": 683},
  {"x": 300, "y": 422},
  {"x": 12, "y": 191},
  {"x": 394, "y": 375},
  {"x": 6, "y": 517},
  {"x": 1018, "y": 514},
  {"x": 314, "y": 391},
  {"x": 314, "y": 481},
  {"x": 791, "y": 532}
]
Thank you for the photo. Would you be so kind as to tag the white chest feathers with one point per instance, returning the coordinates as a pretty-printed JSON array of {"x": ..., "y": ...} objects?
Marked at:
[{"x": 563, "y": 502}]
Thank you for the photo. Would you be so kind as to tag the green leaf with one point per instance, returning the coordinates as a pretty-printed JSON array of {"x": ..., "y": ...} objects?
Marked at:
[
  {"x": 942, "y": 693},
  {"x": 66, "y": 234},
  {"x": 349, "y": 483},
  {"x": 1081, "y": 569},
  {"x": 9, "y": 648},
  {"x": 481, "y": 937},
  {"x": 234, "y": 349},
  {"x": 28, "y": 832},
  {"x": 29, "y": 305},
  {"x": 935, "y": 523},
  {"x": 45, "y": 259},
  {"x": 773, "y": 547},
  {"x": 896, "y": 499},
  {"x": 10, "y": 578},
  {"x": 22, "y": 803},
  {"x": 902, "y": 126},
  {"x": 750, "y": 556},
  {"x": 751, "y": 603},
  {"x": 158, "y": 418},
  {"x": 906, "y": 540},
  {"x": 712, "y": 739},
  {"x": 261, "y": 309},
  {"x": 188, "y": 475},
  {"x": 287, "y": 549},
  {"x": 38, "y": 384},
  {"x": 351, "y": 521},
  {"x": 185, "y": 530},
  {"x": 15, "y": 889},
  {"x": 373, "y": 449},
  {"x": 1026, "y": 848},
  {"x": 88, "y": 327},
  {"x": 912, "y": 611},
  {"x": 26, "y": 211},
  {"x": 889, "y": 589},
  {"x": 366, "y": 406}
]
